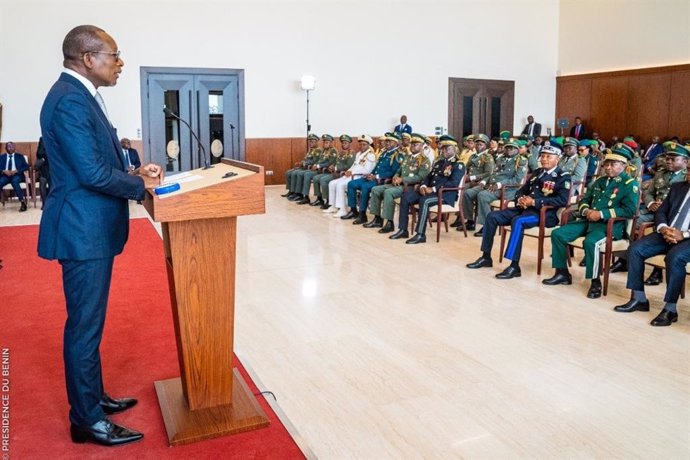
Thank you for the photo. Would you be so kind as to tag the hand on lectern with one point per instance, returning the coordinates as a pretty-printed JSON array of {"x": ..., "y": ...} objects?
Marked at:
[{"x": 152, "y": 174}]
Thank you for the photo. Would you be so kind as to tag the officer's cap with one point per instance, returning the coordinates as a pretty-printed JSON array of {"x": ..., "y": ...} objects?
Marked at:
[
  {"x": 345, "y": 138},
  {"x": 417, "y": 138},
  {"x": 407, "y": 135},
  {"x": 512, "y": 142},
  {"x": 313, "y": 137},
  {"x": 504, "y": 134},
  {"x": 620, "y": 152},
  {"x": 395, "y": 137},
  {"x": 447, "y": 140},
  {"x": 482, "y": 138},
  {"x": 571, "y": 141},
  {"x": 326, "y": 137},
  {"x": 551, "y": 149},
  {"x": 674, "y": 148},
  {"x": 365, "y": 138}
]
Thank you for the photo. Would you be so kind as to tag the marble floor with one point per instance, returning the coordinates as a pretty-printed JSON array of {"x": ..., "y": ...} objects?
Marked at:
[{"x": 380, "y": 350}]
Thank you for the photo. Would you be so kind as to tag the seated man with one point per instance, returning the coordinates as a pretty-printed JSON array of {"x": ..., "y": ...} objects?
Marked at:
[
  {"x": 291, "y": 182},
  {"x": 571, "y": 162},
  {"x": 672, "y": 237},
  {"x": 549, "y": 186},
  {"x": 614, "y": 194},
  {"x": 479, "y": 165},
  {"x": 510, "y": 169},
  {"x": 446, "y": 172},
  {"x": 130, "y": 155},
  {"x": 363, "y": 164},
  {"x": 413, "y": 170},
  {"x": 343, "y": 161},
  {"x": 325, "y": 159},
  {"x": 386, "y": 166},
  {"x": 13, "y": 166}
]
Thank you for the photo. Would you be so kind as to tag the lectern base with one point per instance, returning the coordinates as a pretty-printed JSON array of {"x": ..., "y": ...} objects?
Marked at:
[{"x": 185, "y": 427}]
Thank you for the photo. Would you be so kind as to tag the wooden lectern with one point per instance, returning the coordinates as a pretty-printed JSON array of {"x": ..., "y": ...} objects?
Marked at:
[{"x": 199, "y": 221}]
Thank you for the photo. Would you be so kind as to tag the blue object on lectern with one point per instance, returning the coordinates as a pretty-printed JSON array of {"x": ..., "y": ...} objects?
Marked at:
[{"x": 167, "y": 188}]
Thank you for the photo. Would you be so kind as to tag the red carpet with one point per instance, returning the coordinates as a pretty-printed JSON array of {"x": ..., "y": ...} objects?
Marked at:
[{"x": 138, "y": 348}]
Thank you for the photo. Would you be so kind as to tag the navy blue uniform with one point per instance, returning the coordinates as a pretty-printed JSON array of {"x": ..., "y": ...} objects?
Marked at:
[{"x": 386, "y": 167}]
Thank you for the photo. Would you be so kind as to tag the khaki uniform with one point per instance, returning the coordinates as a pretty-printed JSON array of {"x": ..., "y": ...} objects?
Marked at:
[
  {"x": 658, "y": 189},
  {"x": 325, "y": 159},
  {"x": 291, "y": 181},
  {"x": 343, "y": 161},
  {"x": 413, "y": 170}
]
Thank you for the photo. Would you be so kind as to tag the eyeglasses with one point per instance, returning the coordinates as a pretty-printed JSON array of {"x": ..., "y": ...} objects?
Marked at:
[{"x": 115, "y": 54}]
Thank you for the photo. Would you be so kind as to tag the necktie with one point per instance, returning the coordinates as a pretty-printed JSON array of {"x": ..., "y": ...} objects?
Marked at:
[
  {"x": 10, "y": 162},
  {"x": 531, "y": 129},
  {"x": 101, "y": 103},
  {"x": 577, "y": 131},
  {"x": 682, "y": 216},
  {"x": 129, "y": 163}
]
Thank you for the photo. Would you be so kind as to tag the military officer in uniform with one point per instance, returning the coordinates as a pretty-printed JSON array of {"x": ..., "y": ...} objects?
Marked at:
[
  {"x": 429, "y": 151},
  {"x": 534, "y": 151},
  {"x": 364, "y": 163},
  {"x": 446, "y": 172},
  {"x": 343, "y": 161},
  {"x": 325, "y": 159},
  {"x": 614, "y": 194},
  {"x": 571, "y": 162},
  {"x": 479, "y": 166},
  {"x": 549, "y": 186},
  {"x": 291, "y": 183},
  {"x": 387, "y": 165},
  {"x": 468, "y": 149},
  {"x": 510, "y": 170},
  {"x": 413, "y": 170},
  {"x": 676, "y": 159}
]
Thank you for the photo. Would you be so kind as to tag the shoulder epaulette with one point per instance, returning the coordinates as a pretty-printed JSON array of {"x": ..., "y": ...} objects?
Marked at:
[
  {"x": 564, "y": 173},
  {"x": 629, "y": 180}
]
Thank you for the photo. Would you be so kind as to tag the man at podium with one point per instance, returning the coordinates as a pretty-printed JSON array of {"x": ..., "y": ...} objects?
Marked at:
[{"x": 85, "y": 221}]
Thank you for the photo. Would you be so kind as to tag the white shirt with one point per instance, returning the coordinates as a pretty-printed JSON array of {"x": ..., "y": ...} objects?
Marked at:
[
  {"x": 365, "y": 162},
  {"x": 84, "y": 81}
]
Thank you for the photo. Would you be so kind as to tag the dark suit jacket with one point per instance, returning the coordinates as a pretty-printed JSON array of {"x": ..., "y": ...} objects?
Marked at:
[
  {"x": 445, "y": 173},
  {"x": 133, "y": 158},
  {"x": 86, "y": 215},
  {"x": 400, "y": 129},
  {"x": 583, "y": 132},
  {"x": 20, "y": 163},
  {"x": 671, "y": 205},
  {"x": 537, "y": 130}
]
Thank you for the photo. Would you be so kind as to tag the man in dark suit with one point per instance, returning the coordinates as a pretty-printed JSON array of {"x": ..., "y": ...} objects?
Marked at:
[
  {"x": 672, "y": 237},
  {"x": 85, "y": 222},
  {"x": 131, "y": 156},
  {"x": 532, "y": 128},
  {"x": 13, "y": 166},
  {"x": 649, "y": 158},
  {"x": 403, "y": 127},
  {"x": 578, "y": 130}
]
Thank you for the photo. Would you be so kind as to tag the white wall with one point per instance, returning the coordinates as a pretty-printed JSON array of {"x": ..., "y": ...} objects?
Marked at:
[
  {"x": 373, "y": 60},
  {"x": 602, "y": 35}
]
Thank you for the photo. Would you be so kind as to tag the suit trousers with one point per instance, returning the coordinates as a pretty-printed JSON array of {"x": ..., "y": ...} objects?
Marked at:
[
  {"x": 677, "y": 256},
  {"x": 86, "y": 284},
  {"x": 15, "y": 180}
]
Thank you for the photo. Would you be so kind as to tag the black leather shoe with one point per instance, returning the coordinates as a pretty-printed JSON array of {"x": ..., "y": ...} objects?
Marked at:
[
  {"x": 418, "y": 238},
  {"x": 665, "y": 318},
  {"x": 105, "y": 433},
  {"x": 456, "y": 223},
  {"x": 350, "y": 215},
  {"x": 286, "y": 194},
  {"x": 402, "y": 233},
  {"x": 389, "y": 227},
  {"x": 632, "y": 305},
  {"x": 295, "y": 197},
  {"x": 479, "y": 233},
  {"x": 655, "y": 278},
  {"x": 594, "y": 290},
  {"x": 582, "y": 262},
  {"x": 304, "y": 200},
  {"x": 376, "y": 222},
  {"x": 469, "y": 225},
  {"x": 318, "y": 202},
  {"x": 325, "y": 206},
  {"x": 510, "y": 272},
  {"x": 361, "y": 219},
  {"x": 113, "y": 406},
  {"x": 558, "y": 278},
  {"x": 481, "y": 262},
  {"x": 22, "y": 208},
  {"x": 619, "y": 266}
]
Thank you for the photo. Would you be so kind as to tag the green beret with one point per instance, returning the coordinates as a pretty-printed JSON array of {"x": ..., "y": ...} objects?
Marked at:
[
  {"x": 313, "y": 137},
  {"x": 326, "y": 137},
  {"x": 620, "y": 152},
  {"x": 571, "y": 141},
  {"x": 504, "y": 134},
  {"x": 673, "y": 148},
  {"x": 345, "y": 138},
  {"x": 588, "y": 142},
  {"x": 482, "y": 138}
]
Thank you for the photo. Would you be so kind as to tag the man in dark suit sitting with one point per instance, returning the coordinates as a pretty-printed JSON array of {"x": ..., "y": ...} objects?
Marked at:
[
  {"x": 13, "y": 166},
  {"x": 532, "y": 128},
  {"x": 672, "y": 237},
  {"x": 85, "y": 222},
  {"x": 131, "y": 156}
]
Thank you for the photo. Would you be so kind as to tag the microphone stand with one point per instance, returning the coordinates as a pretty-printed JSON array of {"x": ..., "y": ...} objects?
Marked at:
[
  {"x": 232, "y": 140},
  {"x": 200, "y": 147}
]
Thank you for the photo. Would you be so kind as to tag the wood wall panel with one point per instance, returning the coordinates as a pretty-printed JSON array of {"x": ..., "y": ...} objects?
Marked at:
[
  {"x": 274, "y": 154},
  {"x": 609, "y": 106},
  {"x": 643, "y": 102},
  {"x": 679, "y": 106}
]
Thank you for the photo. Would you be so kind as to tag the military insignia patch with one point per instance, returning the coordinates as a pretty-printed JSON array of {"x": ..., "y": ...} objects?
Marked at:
[
  {"x": 635, "y": 188},
  {"x": 567, "y": 185}
]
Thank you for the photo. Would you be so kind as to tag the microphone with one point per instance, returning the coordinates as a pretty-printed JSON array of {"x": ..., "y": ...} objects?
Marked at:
[
  {"x": 232, "y": 126},
  {"x": 200, "y": 146}
]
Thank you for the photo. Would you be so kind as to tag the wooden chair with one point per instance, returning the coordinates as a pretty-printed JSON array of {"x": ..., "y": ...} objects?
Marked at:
[
  {"x": 445, "y": 211},
  {"x": 541, "y": 232}
]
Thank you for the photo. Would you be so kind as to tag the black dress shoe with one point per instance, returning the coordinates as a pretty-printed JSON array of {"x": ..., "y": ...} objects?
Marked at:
[
  {"x": 456, "y": 223},
  {"x": 350, "y": 215},
  {"x": 389, "y": 227},
  {"x": 594, "y": 291},
  {"x": 318, "y": 202},
  {"x": 655, "y": 278},
  {"x": 402, "y": 233},
  {"x": 361, "y": 219},
  {"x": 114, "y": 406},
  {"x": 633, "y": 305},
  {"x": 665, "y": 318},
  {"x": 619, "y": 266},
  {"x": 479, "y": 233},
  {"x": 376, "y": 222},
  {"x": 295, "y": 197},
  {"x": 325, "y": 206},
  {"x": 304, "y": 200},
  {"x": 510, "y": 272},
  {"x": 558, "y": 278},
  {"x": 469, "y": 225},
  {"x": 418, "y": 238},
  {"x": 481, "y": 262},
  {"x": 105, "y": 433},
  {"x": 286, "y": 194},
  {"x": 22, "y": 208}
]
